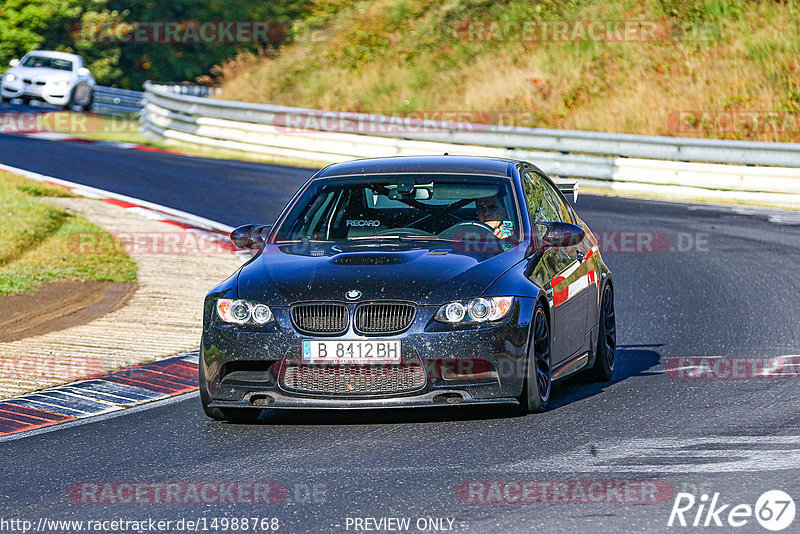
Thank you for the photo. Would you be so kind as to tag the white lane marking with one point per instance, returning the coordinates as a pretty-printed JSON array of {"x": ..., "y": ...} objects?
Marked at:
[
  {"x": 717, "y": 454},
  {"x": 146, "y": 213},
  {"x": 50, "y": 136},
  {"x": 93, "y": 192}
]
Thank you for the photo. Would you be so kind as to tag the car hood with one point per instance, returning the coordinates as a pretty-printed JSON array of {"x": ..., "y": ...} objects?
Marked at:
[
  {"x": 282, "y": 275},
  {"x": 41, "y": 73}
]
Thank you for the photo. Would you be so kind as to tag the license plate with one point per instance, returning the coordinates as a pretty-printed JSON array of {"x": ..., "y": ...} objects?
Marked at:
[{"x": 353, "y": 352}]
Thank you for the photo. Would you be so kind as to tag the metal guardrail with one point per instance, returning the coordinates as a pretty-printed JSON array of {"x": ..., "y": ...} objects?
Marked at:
[
  {"x": 184, "y": 89},
  {"x": 113, "y": 100},
  {"x": 678, "y": 165},
  {"x": 564, "y": 141}
]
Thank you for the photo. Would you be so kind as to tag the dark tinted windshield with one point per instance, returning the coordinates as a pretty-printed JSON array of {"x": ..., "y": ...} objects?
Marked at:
[
  {"x": 47, "y": 63},
  {"x": 447, "y": 208}
]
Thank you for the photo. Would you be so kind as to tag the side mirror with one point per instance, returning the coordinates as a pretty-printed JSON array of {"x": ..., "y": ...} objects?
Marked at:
[
  {"x": 14, "y": 62},
  {"x": 83, "y": 71},
  {"x": 562, "y": 235},
  {"x": 251, "y": 236},
  {"x": 557, "y": 235}
]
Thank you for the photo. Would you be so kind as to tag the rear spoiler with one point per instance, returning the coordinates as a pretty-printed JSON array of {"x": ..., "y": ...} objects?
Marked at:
[{"x": 568, "y": 188}]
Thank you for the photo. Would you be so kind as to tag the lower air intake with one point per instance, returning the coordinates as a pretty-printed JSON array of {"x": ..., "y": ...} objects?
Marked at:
[{"x": 354, "y": 379}]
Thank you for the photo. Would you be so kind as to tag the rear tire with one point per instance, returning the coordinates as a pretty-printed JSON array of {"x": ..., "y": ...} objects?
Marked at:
[
  {"x": 606, "y": 350},
  {"x": 234, "y": 415},
  {"x": 538, "y": 370}
]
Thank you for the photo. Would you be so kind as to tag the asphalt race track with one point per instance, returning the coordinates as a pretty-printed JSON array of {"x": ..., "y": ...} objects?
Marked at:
[{"x": 720, "y": 282}]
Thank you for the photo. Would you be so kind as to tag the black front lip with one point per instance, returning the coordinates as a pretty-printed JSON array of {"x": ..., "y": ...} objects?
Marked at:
[{"x": 283, "y": 400}]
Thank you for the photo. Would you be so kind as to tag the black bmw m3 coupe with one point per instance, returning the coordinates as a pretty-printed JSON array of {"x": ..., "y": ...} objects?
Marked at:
[{"x": 410, "y": 281}]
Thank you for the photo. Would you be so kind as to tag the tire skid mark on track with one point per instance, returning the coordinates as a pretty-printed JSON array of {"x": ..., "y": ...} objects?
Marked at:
[
  {"x": 99, "y": 395},
  {"x": 708, "y": 454}
]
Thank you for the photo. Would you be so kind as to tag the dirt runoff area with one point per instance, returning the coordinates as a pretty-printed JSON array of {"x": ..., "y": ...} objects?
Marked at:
[
  {"x": 59, "y": 305},
  {"x": 160, "y": 317}
]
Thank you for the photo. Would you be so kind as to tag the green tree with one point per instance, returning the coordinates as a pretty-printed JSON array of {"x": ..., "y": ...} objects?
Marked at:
[
  {"x": 187, "y": 61},
  {"x": 27, "y": 25},
  {"x": 66, "y": 25}
]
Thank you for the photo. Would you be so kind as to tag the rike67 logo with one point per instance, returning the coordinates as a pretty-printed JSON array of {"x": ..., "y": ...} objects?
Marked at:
[{"x": 774, "y": 511}]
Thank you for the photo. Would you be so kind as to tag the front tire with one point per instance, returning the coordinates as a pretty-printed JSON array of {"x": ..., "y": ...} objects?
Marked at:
[
  {"x": 234, "y": 415},
  {"x": 73, "y": 104},
  {"x": 538, "y": 370},
  {"x": 606, "y": 350}
]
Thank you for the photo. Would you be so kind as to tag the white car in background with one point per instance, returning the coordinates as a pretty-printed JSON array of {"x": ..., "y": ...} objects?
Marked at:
[{"x": 57, "y": 78}]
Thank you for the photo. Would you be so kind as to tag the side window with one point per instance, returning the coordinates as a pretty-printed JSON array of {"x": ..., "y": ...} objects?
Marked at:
[{"x": 543, "y": 201}]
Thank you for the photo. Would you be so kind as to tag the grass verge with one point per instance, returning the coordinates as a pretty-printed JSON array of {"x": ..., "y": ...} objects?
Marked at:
[{"x": 39, "y": 241}]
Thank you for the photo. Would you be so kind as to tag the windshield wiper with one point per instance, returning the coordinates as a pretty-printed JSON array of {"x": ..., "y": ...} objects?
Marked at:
[
  {"x": 299, "y": 241},
  {"x": 401, "y": 237},
  {"x": 429, "y": 238},
  {"x": 374, "y": 237}
]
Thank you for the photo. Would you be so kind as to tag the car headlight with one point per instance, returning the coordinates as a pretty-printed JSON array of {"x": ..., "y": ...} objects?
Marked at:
[
  {"x": 479, "y": 310},
  {"x": 243, "y": 312},
  {"x": 10, "y": 77},
  {"x": 61, "y": 83}
]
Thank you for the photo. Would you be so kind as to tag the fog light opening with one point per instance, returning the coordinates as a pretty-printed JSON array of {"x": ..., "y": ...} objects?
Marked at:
[
  {"x": 261, "y": 400},
  {"x": 467, "y": 369},
  {"x": 448, "y": 398}
]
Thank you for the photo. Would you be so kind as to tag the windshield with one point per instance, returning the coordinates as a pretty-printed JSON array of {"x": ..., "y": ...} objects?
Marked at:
[
  {"x": 420, "y": 207},
  {"x": 47, "y": 63}
]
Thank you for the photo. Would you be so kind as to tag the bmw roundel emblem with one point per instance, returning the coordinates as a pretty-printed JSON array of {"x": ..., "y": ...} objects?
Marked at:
[{"x": 353, "y": 294}]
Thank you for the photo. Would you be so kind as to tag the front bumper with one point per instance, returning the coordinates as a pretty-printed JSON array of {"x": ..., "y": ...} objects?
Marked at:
[
  {"x": 243, "y": 367},
  {"x": 55, "y": 95}
]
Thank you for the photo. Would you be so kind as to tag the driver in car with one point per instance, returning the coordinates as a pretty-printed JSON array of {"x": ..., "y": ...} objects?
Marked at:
[{"x": 492, "y": 213}]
